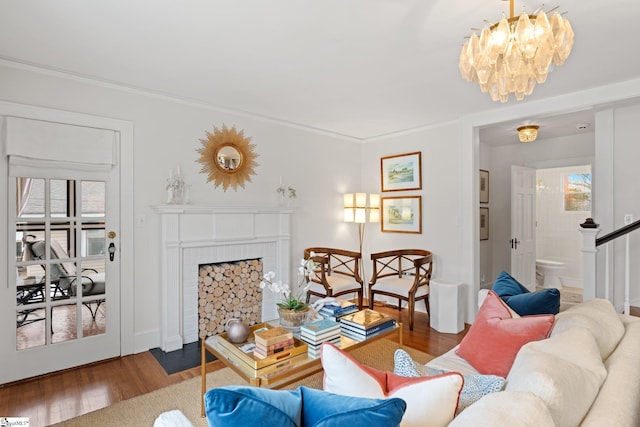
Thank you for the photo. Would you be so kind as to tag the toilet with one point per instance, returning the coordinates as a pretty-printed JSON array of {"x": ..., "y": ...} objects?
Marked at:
[{"x": 548, "y": 273}]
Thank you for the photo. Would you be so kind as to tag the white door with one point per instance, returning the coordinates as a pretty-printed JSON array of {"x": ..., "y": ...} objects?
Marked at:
[
  {"x": 523, "y": 225},
  {"x": 64, "y": 270}
]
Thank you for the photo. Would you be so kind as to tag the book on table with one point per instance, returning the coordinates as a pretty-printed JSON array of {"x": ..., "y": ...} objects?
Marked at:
[
  {"x": 374, "y": 330},
  {"x": 274, "y": 348},
  {"x": 313, "y": 351},
  {"x": 263, "y": 354},
  {"x": 360, "y": 336},
  {"x": 320, "y": 338},
  {"x": 272, "y": 336},
  {"x": 319, "y": 327},
  {"x": 365, "y": 319},
  {"x": 338, "y": 306},
  {"x": 336, "y": 317}
]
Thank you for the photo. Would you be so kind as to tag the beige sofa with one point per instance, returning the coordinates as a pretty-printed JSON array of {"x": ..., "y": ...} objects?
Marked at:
[{"x": 587, "y": 373}]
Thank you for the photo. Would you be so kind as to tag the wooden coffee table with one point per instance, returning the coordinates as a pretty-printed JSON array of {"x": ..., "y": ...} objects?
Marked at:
[{"x": 279, "y": 374}]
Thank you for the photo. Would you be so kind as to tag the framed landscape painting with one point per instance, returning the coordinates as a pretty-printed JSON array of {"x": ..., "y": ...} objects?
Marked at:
[
  {"x": 484, "y": 223},
  {"x": 484, "y": 186},
  {"x": 401, "y": 172},
  {"x": 401, "y": 214}
]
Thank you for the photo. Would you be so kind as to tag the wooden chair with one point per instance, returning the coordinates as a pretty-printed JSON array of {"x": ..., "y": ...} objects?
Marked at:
[
  {"x": 402, "y": 274},
  {"x": 337, "y": 273}
]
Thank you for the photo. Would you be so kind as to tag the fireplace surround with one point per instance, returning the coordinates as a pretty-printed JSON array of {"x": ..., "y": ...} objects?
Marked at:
[{"x": 194, "y": 235}]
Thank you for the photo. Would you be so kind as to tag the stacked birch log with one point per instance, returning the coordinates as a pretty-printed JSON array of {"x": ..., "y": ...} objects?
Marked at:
[{"x": 228, "y": 291}]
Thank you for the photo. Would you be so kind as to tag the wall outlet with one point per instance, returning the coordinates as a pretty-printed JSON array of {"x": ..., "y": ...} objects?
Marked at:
[{"x": 628, "y": 219}]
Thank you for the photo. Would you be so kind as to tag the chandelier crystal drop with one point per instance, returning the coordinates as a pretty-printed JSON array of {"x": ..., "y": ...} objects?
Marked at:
[{"x": 512, "y": 55}]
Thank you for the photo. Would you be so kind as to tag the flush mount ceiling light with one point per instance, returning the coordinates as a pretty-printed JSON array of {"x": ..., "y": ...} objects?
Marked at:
[
  {"x": 528, "y": 133},
  {"x": 512, "y": 55}
]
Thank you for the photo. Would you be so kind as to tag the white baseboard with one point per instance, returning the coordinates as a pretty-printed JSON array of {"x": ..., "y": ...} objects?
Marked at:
[{"x": 144, "y": 341}]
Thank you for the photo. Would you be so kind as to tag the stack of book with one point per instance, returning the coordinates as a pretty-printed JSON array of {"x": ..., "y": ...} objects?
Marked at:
[
  {"x": 336, "y": 309},
  {"x": 365, "y": 324},
  {"x": 318, "y": 332},
  {"x": 272, "y": 341}
]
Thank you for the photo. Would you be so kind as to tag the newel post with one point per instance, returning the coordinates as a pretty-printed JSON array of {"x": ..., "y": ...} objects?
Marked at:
[{"x": 589, "y": 230}]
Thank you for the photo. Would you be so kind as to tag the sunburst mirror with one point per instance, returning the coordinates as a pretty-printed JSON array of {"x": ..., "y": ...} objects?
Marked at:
[{"x": 227, "y": 157}]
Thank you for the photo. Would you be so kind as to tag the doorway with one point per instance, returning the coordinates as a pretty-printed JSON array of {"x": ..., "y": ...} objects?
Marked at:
[
  {"x": 563, "y": 199},
  {"x": 68, "y": 288}
]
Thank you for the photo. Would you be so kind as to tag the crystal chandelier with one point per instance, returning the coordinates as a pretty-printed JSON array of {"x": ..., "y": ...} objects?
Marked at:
[{"x": 512, "y": 55}]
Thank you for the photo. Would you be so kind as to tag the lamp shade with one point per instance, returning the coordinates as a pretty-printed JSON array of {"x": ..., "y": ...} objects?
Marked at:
[
  {"x": 348, "y": 200},
  {"x": 349, "y": 215},
  {"x": 374, "y": 201},
  {"x": 361, "y": 200}
]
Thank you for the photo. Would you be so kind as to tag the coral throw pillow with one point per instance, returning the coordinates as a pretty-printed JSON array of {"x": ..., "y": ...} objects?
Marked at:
[
  {"x": 431, "y": 401},
  {"x": 492, "y": 343}
]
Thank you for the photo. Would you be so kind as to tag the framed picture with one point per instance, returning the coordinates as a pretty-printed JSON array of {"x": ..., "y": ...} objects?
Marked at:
[
  {"x": 484, "y": 223},
  {"x": 401, "y": 172},
  {"x": 401, "y": 214},
  {"x": 484, "y": 186}
]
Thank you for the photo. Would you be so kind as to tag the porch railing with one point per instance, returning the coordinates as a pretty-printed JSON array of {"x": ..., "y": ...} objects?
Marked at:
[{"x": 590, "y": 244}]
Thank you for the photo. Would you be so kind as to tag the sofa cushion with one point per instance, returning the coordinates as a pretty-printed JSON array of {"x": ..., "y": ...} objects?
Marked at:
[
  {"x": 323, "y": 409},
  {"x": 565, "y": 371},
  {"x": 241, "y": 405},
  {"x": 617, "y": 403},
  {"x": 475, "y": 385},
  {"x": 431, "y": 401},
  {"x": 524, "y": 302},
  {"x": 598, "y": 316},
  {"x": 506, "y": 408},
  {"x": 238, "y": 405},
  {"x": 494, "y": 339}
]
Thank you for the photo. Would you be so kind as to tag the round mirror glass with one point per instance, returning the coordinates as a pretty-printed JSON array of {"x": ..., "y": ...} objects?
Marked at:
[{"x": 228, "y": 158}]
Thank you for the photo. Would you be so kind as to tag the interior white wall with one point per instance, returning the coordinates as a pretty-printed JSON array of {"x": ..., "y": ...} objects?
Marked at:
[
  {"x": 166, "y": 134},
  {"x": 557, "y": 237},
  {"x": 626, "y": 152},
  {"x": 486, "y": 275},
  {"x": 543, "y": 153},
  {"x": 441, "y": 187}
]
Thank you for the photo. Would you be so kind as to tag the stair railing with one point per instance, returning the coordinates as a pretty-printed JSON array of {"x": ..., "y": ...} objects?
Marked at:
[{"x": 590, "y": 243}]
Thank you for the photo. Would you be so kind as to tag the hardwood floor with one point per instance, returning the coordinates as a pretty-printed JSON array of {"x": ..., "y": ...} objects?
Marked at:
[{"x": 56, "y": 397}]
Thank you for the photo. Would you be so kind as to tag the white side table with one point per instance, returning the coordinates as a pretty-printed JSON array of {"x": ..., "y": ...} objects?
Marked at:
[{"x": 446, "y": 306}]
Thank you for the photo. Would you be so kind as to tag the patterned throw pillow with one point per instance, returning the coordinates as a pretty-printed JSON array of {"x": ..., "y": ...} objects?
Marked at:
[{"x": 475, "y": 386}]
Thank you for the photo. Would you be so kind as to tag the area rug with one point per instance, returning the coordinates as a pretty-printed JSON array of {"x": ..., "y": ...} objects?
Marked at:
[{"x": 185, "y": 396}]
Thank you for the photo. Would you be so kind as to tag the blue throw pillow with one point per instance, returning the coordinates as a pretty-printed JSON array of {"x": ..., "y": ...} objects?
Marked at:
[
  {"x": 233, "y": 406},
  {"x": 524, "y": 302},
  {"x": 324, "y": 409},
  {"x": 252, "y": 406}
]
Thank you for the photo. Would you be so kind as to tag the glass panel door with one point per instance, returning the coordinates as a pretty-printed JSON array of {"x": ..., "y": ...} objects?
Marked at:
[{"x": 61, "y": 258}]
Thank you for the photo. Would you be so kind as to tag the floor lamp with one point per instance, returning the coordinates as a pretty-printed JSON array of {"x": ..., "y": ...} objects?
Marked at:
[{"x": 355, "y": 210}]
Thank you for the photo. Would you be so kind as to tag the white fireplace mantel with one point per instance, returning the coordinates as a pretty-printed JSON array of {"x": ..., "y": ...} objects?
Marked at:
[{"x": 192, "y": 235}]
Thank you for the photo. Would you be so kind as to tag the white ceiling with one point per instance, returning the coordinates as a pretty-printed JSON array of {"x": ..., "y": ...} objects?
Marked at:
[{"x": 359, "y": 68}]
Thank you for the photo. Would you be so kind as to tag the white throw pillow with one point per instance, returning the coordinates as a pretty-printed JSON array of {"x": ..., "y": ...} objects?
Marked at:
[
  {"x": 431, "y": 401},
  {"x": 565, "y": 371},
  {"x": 506, "y": 408},
  {"x": 598, "y": 316}
]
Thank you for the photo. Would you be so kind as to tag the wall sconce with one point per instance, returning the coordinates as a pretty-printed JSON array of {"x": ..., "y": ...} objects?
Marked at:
[{"x": 356, "y": 209}]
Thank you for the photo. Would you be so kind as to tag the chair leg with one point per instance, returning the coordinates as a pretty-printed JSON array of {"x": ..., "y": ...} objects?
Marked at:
[
  {"x": 308, "y": 298},
  {"x": 426, "y": 303},
  {"x": 370, "y": 298},
  {"x": 412, "y": 309},
  {"x": 360, "y": 299},
  {"x": 399, "y": 304}
]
